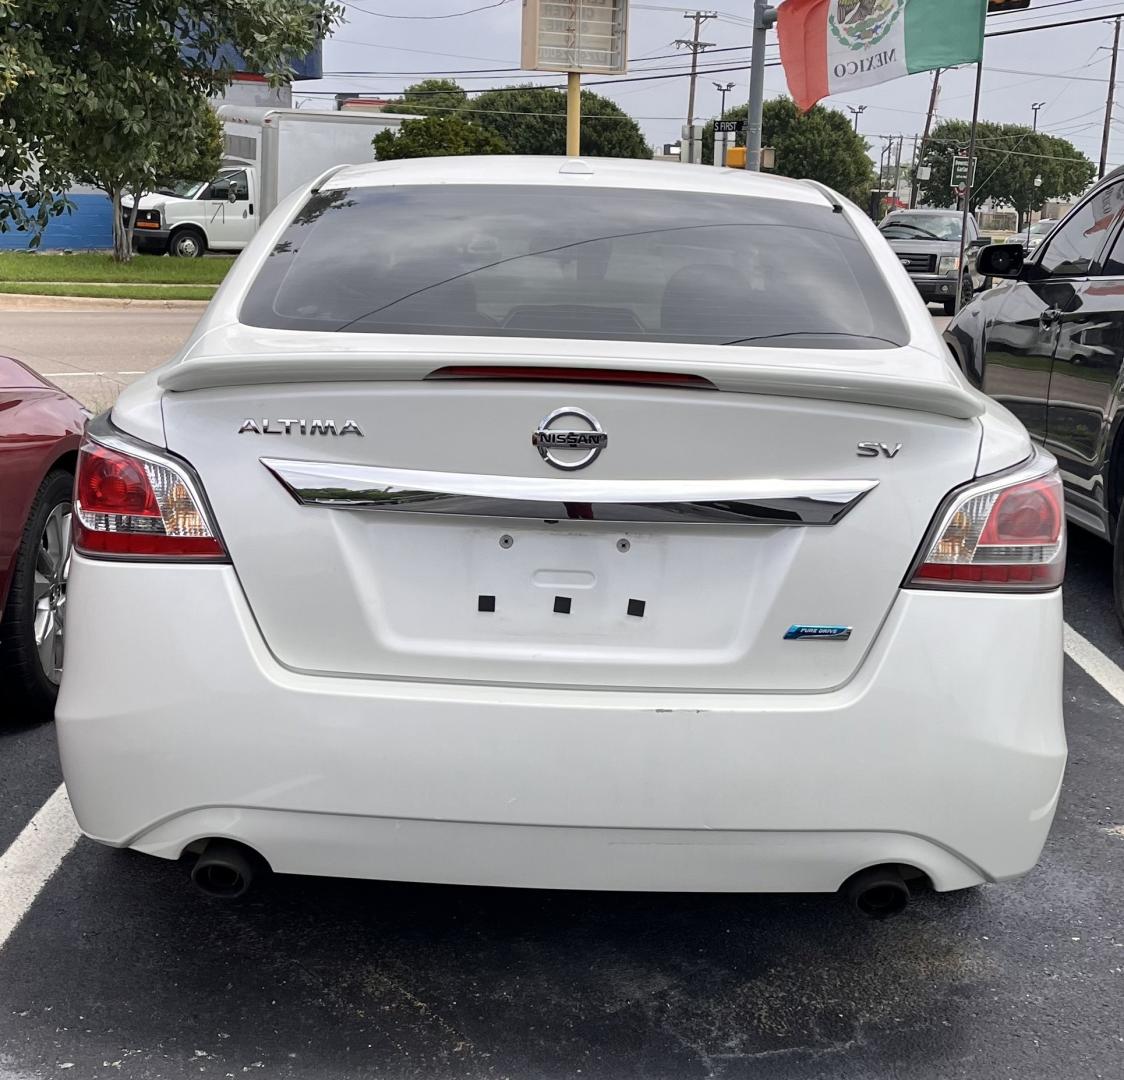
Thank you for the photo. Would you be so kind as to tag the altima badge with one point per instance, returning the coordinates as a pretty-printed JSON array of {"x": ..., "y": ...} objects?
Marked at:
[
  {"x": 588, "y": 441},
  {"x": 817, "y": 633},
  {"x": 299, "y": 427}
]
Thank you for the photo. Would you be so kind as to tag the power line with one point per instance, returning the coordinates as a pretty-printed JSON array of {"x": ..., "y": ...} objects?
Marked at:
[
  {"x": 1053, "y": 26},
  {"x": 618, "y": 80},
  {"x": 426, "y": 18}
]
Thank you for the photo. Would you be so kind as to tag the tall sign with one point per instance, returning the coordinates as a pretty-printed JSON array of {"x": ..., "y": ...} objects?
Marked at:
[
  {"x": 584, "y": 36},
  {"x": 577, "y": 37}
]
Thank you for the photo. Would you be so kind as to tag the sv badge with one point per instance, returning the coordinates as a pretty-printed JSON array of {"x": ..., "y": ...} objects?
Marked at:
[{"x": 878, "y": 449}]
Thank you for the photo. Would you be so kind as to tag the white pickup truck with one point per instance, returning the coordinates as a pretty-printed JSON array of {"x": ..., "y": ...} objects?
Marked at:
[{"x": 268, "y": 153}]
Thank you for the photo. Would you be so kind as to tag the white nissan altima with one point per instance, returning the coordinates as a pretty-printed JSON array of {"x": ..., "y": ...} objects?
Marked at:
[{"x": 570, "y": 524}]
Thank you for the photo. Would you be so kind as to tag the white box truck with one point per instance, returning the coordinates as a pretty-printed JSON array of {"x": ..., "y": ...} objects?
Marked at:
[{"x": 268, "y": 153}]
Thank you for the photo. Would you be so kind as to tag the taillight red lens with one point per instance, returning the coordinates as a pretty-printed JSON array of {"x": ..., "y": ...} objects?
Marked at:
[
  {"x": 1000, "y": 537},
  {"x": 1028, "y": 514},
  {"x": 132, "y": 507},
  {"x": 112, "y": 483}
]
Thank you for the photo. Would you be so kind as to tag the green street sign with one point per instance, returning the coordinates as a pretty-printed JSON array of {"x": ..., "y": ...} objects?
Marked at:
[{"x": 960, "y": 171}]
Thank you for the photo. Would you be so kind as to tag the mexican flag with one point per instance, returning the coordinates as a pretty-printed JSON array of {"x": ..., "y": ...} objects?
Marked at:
[{"x": 837, "y": 46}]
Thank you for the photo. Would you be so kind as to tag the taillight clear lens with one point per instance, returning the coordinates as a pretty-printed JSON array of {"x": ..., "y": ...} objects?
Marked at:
[
  {"x": 999, "y": 537},
  {"x": 129, "y": 506}
]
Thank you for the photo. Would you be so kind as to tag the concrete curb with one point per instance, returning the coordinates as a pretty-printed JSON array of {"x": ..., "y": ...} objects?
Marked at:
[{"x": 29, "y": 302}]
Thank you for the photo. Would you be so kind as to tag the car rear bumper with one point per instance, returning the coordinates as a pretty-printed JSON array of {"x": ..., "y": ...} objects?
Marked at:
[{"x": 945, "y": 752}]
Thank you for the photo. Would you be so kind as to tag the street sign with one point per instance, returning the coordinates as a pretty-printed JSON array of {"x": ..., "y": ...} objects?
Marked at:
[
  {"x": 575, "y": 36},
  {"x": 960, "y": 171},
  {"x": 735, "y": 126}
]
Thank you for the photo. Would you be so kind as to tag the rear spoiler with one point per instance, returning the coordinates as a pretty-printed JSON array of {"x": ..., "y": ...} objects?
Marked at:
[{"x": 935, "y": 390}]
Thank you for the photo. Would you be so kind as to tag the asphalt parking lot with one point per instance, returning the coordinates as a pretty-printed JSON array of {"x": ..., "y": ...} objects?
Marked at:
[{"x": 119, "y": 968}]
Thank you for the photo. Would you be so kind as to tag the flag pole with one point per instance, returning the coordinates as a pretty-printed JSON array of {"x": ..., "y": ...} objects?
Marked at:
[{"x": 968, "y": 183}]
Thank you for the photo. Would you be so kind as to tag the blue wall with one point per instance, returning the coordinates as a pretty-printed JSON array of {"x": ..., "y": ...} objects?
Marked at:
[
  {"x": 306, "y": 67},
  {"x": 89, "y": 225}
]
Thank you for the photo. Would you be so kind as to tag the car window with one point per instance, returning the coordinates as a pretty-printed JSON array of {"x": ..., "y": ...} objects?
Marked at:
[
  {"x": 1074, "y": 246},
  {"x": 1114, "y": 262},
  {"x": 240, "y": 185},
  {"x": 924, "y": 226},
  {"x": 543, "y": 261},
  {"x": 222, "y": 185}
]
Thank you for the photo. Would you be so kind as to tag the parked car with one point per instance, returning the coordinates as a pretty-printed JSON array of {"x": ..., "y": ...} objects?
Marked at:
[
  {"x": 928, "y": 244},
  {"x": 594, "y": 525},
  {"x": 1031, "y": 239},
  {"x": 40, "y": 432},
  {"x": 1051, "y": 349}
]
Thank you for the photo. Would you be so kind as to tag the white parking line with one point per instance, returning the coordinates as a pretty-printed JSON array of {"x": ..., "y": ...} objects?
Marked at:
[
  {"x": 33, "y": 857},
  {"x": 1095, "y": 663},
  {"x": 88, "y": 374}
]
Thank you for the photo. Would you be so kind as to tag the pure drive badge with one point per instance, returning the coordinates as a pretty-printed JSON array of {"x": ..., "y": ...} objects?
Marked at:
[
  {"x": 569, "y": 446},
  {"x": 799, "y": 632}
]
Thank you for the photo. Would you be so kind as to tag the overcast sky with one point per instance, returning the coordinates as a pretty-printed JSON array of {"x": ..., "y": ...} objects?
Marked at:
[{"x": 383, "y": 46}]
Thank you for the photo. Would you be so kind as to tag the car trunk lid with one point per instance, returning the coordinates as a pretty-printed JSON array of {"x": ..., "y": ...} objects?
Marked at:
[{"x": 431, "y": 540}]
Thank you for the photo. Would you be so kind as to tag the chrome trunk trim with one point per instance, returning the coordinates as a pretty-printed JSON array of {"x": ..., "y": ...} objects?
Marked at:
[{"x": 682, "y": 502}]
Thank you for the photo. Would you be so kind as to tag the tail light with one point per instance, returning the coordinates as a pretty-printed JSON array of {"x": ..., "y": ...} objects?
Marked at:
[
  {"x": 1006, "y": 534},
  {"x": 135, "y": 506}
]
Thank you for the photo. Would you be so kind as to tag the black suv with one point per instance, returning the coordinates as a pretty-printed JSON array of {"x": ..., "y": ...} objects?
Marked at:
[{"x": 1050, "y": 347}]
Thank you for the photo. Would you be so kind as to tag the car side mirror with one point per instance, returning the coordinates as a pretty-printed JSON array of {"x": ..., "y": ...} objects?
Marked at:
[
  {"x": 232, "y": 195},
  {"x": 1001, "y": 260}
]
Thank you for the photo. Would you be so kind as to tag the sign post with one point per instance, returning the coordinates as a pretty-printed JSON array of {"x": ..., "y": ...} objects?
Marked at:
[{"x": 575, "y": 36}]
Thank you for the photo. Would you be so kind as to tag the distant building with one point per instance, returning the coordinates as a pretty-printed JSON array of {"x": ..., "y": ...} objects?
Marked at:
[{"x": 355, "y": 103}]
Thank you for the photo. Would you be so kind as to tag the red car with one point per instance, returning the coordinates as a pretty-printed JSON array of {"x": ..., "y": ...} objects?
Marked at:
[{"x": 40, "y": 429}]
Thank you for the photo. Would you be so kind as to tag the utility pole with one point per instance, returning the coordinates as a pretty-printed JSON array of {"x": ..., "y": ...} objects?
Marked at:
[
  {"x": 933, "y": 96},
  {"x": 1036, "y": 105},
  {"x": 856, "y": 111},
  {"x": 1108, "y": 103},
  {"x": 898, "y": 169},
  {"x": 724, "y": 89},
  {"x": 696, "y": 47},
  {"x": 764, "y": 16}
]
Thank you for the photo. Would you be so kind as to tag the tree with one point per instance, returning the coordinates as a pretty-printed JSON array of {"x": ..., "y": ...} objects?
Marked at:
[
  {"x": 183, "y": 142},
  {"x": 437, "y": 136},
  {"x": 532, "y": 120},
  {"x": 820, "y": 144},
  {"x": 78, "y": 80},
  {"x": 1009, "y": 158},
  {"x": 440, "y": 96}
]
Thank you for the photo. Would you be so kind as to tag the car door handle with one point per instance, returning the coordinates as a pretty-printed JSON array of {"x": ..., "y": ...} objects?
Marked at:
[
  {"x": 251, "y": 209},
  {"x": 1048, "y": 318}
]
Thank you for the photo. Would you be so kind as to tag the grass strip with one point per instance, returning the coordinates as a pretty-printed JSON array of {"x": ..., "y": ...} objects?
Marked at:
[
  {"x": 121, "y": 291},
  {"x": 93, "y": 266}
]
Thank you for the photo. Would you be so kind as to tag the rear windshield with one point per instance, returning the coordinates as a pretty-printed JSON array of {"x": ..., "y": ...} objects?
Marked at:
[{"x": 600, "y": 263}]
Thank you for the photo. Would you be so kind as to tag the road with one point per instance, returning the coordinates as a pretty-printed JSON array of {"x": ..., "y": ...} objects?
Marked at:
[
  {"x": 95, "y": 354},
  {"x": 119, "y": 969}
]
